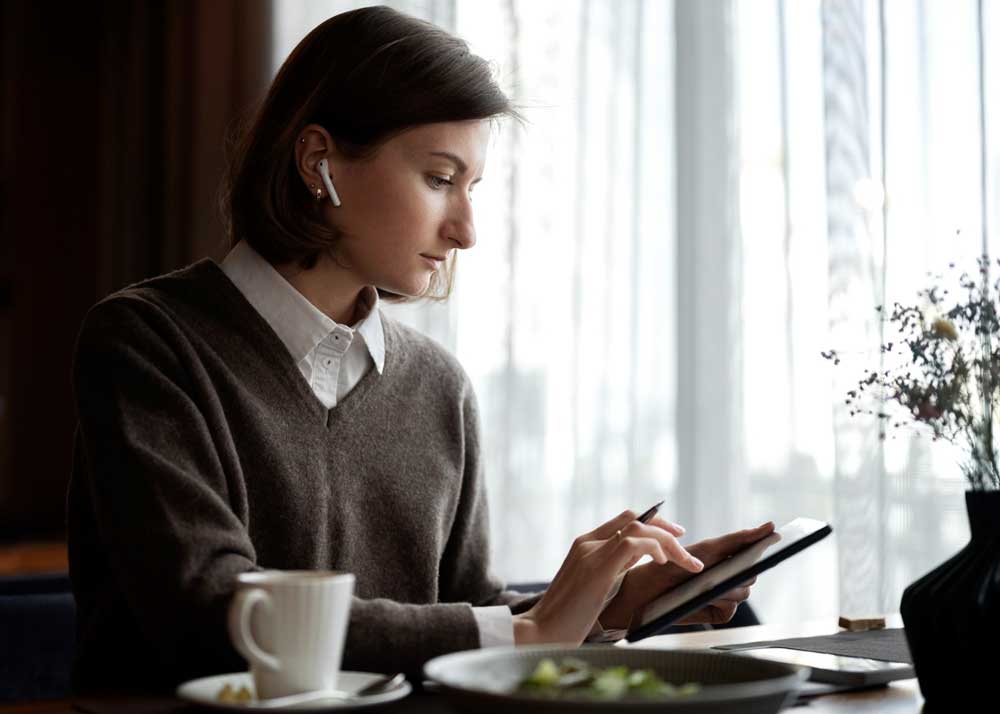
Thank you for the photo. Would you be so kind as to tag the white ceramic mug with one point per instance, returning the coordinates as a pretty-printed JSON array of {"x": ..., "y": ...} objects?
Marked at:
[{"x": 290, "y": 625}]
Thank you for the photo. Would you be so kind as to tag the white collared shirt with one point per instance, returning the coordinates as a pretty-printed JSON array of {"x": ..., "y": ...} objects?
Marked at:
[{"x": 333, "y": 358}]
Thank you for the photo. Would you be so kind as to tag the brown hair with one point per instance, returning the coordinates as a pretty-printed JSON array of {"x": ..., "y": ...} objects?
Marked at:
[{"x": 365, "y": 76}]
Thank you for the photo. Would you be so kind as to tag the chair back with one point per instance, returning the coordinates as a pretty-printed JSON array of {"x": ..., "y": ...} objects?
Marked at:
[{"x": 37, "y": 619}]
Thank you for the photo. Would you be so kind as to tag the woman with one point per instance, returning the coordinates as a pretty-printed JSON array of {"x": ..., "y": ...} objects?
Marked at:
[{"x": 263, "y": 413}]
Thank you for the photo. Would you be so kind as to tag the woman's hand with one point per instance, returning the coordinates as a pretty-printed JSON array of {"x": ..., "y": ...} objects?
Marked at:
[
  {"x": 647, "y": 582},
  {"x": 573, "y": 601}
]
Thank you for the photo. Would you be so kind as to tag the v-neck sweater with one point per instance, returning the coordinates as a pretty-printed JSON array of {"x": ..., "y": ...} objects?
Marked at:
[{"x": 201, "y": 453}]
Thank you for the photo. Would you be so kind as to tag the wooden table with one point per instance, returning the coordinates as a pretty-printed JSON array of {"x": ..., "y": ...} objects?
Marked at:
[{"x": 902, "y": 697}]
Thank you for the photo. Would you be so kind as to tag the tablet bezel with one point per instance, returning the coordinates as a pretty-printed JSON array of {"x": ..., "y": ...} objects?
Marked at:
[{"x": 654, "y": 627}]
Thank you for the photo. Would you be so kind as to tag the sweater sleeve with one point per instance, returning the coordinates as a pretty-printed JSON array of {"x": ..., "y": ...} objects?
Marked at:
[
  {"x": 160, "y": 501},
  {"x": 465, "y": 565},
  {"x": 165, "y": 510}
]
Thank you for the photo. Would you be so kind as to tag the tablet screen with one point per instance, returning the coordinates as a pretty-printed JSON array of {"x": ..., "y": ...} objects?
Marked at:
[{"x": 730, "y": 573}]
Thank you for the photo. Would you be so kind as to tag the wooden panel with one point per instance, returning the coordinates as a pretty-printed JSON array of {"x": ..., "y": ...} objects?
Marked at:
[
  {"x": 26, "y": 558},
  {"x": 111, "y": 129},
  {"x": 52, "y": 232}
]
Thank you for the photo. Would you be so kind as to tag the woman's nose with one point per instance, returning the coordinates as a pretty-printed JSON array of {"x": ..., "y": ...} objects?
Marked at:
[
  {"x": 461, "y": 229},
  {"x": 463, "y": 239}
]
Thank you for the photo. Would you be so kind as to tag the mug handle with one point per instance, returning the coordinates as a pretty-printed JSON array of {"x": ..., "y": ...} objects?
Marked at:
[{"x": 240, "y": 611}]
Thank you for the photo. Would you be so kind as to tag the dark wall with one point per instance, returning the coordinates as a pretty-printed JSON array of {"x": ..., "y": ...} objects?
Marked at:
[
  {"x": 114, "y": 115},
  {"x": 50, "y": 224}
]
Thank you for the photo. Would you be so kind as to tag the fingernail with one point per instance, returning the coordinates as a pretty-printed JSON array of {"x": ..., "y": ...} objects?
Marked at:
[
  {"x": 698, "y": 564},
  {"x": 681, "y": 528}
]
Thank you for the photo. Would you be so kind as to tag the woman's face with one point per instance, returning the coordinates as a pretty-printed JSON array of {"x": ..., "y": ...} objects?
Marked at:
[{"x": 406, "y": 209}]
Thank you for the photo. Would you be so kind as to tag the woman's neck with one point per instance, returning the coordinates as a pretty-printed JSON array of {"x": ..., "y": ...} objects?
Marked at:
[{"x": 330, "y": 288}]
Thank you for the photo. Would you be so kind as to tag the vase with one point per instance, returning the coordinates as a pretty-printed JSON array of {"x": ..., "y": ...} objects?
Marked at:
[{"x": 952, "y": 615}]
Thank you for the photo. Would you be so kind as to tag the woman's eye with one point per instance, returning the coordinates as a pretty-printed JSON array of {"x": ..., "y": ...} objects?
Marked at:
[{"x": 438, "y": 181}]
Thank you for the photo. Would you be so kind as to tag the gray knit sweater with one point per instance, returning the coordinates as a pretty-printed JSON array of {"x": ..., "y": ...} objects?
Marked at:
[{"x": 202, "y": 453}]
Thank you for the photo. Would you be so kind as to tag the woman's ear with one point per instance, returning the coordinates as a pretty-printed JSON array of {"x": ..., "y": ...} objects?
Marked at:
[{"x": 315, "y": 159}]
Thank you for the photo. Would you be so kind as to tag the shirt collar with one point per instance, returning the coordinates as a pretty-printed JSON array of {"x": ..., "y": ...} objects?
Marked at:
[{"x": 300, "y": 324}]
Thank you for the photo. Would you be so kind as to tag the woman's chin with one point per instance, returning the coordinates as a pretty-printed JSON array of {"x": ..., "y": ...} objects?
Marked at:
[{"x": 414, "y": 287}]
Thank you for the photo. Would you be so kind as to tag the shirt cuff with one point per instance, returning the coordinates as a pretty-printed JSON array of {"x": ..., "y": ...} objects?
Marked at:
[
  {"x": 496, "y": 625},
  {"x": 597, "y": 632}
]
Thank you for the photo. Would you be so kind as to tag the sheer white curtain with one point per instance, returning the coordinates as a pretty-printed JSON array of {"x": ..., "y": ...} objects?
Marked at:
[
  {"x": 693, "y": 213},
  {"x": 864, "y": 174}
]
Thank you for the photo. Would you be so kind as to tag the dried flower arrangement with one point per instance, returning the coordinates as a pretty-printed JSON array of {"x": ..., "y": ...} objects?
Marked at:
[{"x": 948, "y": 373}]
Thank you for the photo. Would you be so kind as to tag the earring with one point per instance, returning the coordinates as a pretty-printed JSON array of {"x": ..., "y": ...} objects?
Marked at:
[{"x": 319, "y": 193}]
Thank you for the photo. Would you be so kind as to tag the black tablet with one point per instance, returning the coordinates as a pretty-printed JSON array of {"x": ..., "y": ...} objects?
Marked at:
[
  {"x": 836, "y": 669},
  {"x": 726, "y": 575}
]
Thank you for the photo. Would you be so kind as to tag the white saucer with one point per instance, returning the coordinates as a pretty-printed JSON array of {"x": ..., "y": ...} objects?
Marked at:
[{"x": 205, "y": 691}]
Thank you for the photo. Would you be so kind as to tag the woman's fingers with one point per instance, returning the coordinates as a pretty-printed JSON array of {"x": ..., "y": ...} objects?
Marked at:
[
  {"x": 714, "y": 613},
  {"x": 674, "y": 528},
  {"x": 736, "y": 595},
  {"x": 752, "y": 535},
  {"x": 715, "y": 549},
  {"x": 674, "y": 550},
  {"x": 628, "y": 547},
  {"x": 606, "y": 530},
  {"x": 576, "y": 596},
  {"x": 631, "y": 561},
  {"x": 723, "y": 612},
  {"x": 641, "y": 533}
]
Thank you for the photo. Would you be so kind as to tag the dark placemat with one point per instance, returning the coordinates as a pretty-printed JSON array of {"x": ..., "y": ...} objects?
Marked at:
[{"x": 885, "y": 645}]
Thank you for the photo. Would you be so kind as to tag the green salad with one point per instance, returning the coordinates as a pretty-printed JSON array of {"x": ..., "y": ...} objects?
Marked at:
[{"x": 575, "y": 678}]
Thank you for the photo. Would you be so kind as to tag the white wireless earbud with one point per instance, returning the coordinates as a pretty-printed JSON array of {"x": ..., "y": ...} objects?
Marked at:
[{"x": 324, "y": 174}]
